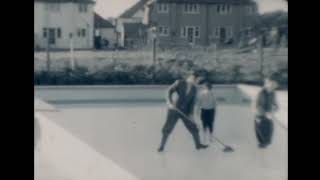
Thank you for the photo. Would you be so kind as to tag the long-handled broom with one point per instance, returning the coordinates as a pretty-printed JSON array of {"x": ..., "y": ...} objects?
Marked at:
[{"x": 226, "y": 147}]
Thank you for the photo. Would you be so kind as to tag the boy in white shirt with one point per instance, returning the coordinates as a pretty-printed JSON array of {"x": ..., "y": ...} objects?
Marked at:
[{"x": 207, "y": 109}]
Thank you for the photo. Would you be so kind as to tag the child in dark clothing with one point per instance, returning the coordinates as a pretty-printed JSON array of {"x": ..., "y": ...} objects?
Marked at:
[
  {"x": 187, "y": 91},
  {"x": 265, "y": 106}
]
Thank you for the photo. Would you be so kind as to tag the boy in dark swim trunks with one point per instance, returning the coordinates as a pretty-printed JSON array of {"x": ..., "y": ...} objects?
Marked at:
[{"x": 265, "y": 106}]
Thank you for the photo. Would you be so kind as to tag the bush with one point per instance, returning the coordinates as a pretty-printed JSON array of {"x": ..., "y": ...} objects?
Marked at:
[{"x": 123, "y": 74}]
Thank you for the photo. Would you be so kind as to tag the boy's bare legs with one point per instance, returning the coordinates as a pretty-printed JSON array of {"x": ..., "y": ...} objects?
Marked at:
[
  {"x": 205, "y": 136},
  {"x": 211, "y": 137}
]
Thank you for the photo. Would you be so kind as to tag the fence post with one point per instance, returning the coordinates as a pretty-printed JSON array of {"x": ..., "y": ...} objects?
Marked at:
[
  {"x": 261, "y": 57},
  {"x": 48, "y": 53},
  {"x": 154, "y": 50},
  {"x": 71, "y": 52}
]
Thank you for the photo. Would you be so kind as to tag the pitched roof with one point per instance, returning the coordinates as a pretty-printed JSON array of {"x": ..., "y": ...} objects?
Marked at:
[
  {"x": 209, "y": 1},
  {"x": 100, "y": 22},
  {"x": 133, "y": 9},
  {"x": 65, "y": 1}
]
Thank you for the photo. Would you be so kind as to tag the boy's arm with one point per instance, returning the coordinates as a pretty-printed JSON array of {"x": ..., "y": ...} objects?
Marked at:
[
  {"x": 214, "y": 100},
  {"x": 171, "y": 90},
  {"x": 198, "y": 104},
  {"x": 192, "y": 105},
  {"x": 275, "y": 105},
  {"x": 258, "y": 106}
]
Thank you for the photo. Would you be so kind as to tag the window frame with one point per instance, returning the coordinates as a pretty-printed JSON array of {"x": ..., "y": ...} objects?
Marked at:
[
  {"x": 79, "y": 32},
  {"x": 83, "y": 7},
  {"x": 250, "y": 10},
  {"x": 161, "y": 9},
  {"x": 191, "y": 8},
  {"x": 197, "y": 29},
  {"x": 83, "y": 32},
  {"x": 184, "y": 31},
  {"x": 163, "y": 30},
  {"x": 45, "y": 32},
  {"x": 52, "y": 39},
  {"x": 224, "y": 9},
  {"x": 59, "y": 33}
]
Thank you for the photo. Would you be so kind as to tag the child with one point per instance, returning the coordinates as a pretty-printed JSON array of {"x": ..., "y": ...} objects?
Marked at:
[
  {"x": 187, "y": 91},
  {"x": 265, "y": 106},
  {"x": 207, "y": 107}
]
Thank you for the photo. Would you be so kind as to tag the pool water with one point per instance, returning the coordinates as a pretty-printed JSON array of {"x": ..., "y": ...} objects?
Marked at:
[{"x": 129, "y": 134}]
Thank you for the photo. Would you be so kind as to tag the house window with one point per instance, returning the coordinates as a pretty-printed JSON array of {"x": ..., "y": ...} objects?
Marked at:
[
  {"x": 79, "y": 32},
  {"x": 250, "y": 9},
  {"x": 45, "y": 32},
  {"x": 53, "y": 7},
  {"x": 224, "y": 9},
  {"x": 83, "y": 32},
  {"x": 191, "y": 8},
  {"x": 83, "y": 8},
  {"x": 163, "y": 31},
  {"x": 51, "y": 35},
  {"x": 197, "y": 32},
  {"x": 163, "y": 8},
  {"x": 59, "y": 32}
]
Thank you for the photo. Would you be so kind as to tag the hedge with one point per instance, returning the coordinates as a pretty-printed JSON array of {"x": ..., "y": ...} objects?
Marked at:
[{"x": 124, "y": 74}]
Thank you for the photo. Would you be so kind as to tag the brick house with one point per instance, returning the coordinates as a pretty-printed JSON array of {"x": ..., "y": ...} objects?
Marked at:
[{"x": 202, "y": 22}]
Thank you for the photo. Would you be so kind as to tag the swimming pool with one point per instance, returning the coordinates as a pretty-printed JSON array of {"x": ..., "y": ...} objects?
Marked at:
[{"x": 129, "y": 132}]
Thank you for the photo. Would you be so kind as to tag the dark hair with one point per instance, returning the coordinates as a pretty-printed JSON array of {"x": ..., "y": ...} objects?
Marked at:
[
  {"x": 199, "y": 73},
  {"x": 273, "y": 77},
  {"x": 208, "y": 84}
]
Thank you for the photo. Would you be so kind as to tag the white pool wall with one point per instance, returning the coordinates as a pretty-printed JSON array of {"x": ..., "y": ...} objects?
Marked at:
[{"x": 229, "y": 93}]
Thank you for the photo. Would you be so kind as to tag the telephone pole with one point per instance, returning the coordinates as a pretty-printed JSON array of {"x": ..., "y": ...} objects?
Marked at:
[
  {"x": 48, "y": 62},
  {"x": 154, "y": 45},
  {"x": 261, "y": 56}
]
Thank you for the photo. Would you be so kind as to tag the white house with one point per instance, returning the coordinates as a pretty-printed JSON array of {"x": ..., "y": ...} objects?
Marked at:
[
  {"x": 104, "y": 31},
  {"x": 60, "y": 23},
  {"x": 133, "y": 17}
]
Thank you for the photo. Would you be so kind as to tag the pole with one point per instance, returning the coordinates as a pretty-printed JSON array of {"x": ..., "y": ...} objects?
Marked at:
[
  {"x": 48, "y": 62},
  {"x": 72, "y": 36},
  {"x": 154, "y": 50},
  {"x": 48, "y": 52},
  {"x": 71, "y": 52},
  {"x": 261, "y": 52}
]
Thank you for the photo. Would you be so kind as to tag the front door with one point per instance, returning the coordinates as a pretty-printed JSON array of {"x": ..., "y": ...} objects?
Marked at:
[
  {"x": 190, "y": 34},
  {"x": 52, "y": 36},
  {"x": 223, "y": 35}
]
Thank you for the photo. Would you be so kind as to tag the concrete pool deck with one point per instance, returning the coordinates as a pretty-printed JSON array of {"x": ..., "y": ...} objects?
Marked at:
[{"x": 64, "y": 145}]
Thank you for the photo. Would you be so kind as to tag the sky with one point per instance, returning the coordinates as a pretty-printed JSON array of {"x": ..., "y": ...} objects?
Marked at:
[{"x": 113, "y": 8}]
